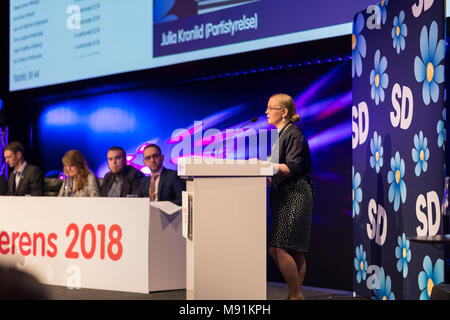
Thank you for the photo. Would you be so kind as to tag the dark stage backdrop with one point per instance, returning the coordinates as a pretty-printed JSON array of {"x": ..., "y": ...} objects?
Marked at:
[
  {"x": 399, "y": 145},
  {"x": 130, "y": 115}
]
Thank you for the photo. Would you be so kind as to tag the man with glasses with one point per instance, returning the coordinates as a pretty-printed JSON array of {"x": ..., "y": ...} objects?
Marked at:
[
  {"x": 163, "y": 184},
  {"x": 123, "y": 180}
]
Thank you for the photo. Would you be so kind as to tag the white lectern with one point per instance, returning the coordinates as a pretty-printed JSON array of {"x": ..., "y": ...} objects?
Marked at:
[{"x": 224, "y": 218}]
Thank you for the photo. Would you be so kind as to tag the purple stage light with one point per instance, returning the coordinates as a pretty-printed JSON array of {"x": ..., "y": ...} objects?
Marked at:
[
  {"x": 316, "y": 87},
  {"x": 61, "y": 116},
  {"x": 208, "y": 123},
  {"x": 331, "y": 136}
]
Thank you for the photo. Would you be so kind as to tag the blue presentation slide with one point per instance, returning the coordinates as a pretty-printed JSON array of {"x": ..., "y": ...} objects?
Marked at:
[{"x": 54, "y": 42}]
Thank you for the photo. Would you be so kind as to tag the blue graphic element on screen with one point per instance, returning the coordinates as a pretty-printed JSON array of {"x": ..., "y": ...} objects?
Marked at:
[{"x": 161, "y": 9}]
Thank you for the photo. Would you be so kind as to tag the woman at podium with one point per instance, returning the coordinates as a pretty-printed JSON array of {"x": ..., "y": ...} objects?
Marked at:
[
  {"x": 291, "y": 194},
  {"x": 80, "y": 181}
]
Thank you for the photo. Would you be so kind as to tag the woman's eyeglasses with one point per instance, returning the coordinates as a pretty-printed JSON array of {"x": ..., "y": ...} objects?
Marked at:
[{"x": 271, "y": 108}]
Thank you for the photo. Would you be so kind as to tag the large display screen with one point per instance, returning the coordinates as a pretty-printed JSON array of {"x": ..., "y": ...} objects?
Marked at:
[{"x": 54, "y": 42}]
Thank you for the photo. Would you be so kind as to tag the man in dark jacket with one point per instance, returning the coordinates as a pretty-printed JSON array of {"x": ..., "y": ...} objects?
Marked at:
[
  {"x": 163, "y": 184},
  {"x": 3, "y": 186},
  {"x": 122, "y": 180},
  {"x": 25, "y": 179}
]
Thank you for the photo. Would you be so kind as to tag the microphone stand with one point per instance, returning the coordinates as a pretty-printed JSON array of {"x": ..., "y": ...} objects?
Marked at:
[{"x": 235, "y": 133}]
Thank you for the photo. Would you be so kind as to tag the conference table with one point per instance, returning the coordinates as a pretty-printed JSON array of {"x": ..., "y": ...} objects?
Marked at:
[{"x": 121, "y": 244}]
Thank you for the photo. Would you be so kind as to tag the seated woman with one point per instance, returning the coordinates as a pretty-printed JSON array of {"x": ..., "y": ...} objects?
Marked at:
[{"x": 80, "y": 181}]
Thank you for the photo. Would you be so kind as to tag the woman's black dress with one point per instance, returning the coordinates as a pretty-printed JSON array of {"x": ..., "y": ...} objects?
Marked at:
[{"x": 291, "y": 198}]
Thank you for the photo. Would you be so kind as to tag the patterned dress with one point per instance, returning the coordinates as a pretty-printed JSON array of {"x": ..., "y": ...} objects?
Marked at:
[{"x": 291, "y": 198}]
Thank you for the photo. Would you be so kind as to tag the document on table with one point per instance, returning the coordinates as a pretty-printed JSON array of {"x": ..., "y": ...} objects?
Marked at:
[{"x": 166, "y": 206}]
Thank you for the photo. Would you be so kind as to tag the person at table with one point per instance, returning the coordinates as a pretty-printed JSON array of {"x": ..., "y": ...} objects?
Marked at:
[
  {"x": 123, "y": 179},
  {"x": 163, "y": 184},
  {"x": 291, "y": 194},
  {"x": 3, "y": 186},
  {"x": 25, "y": 179},
  {"x": 80, "y": 180}
]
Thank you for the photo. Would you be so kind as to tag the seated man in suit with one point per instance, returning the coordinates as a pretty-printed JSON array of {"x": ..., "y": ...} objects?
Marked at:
[
  {"x": 3, "y": 186},
  {"x": 25, "y": 179},
  {"x": 123, "y": 179},
  {"x": 163, "y": 184}
]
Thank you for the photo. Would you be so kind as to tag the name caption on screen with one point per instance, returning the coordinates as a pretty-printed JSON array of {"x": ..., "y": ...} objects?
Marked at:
[{"x": 208, "y": 30}]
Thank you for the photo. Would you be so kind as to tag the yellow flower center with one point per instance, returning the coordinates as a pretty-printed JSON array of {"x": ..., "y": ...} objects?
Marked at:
[
  {"x": 353, "y": 42},
  {"x": 397, "y": 176},
  {"x": 377, "y": 156},
  {"x": 361, "y": 265},
  {"x": 384, "y": 298},
  {"x": 422, "y": 155},
  {"x": 397, "y": 31},
  {"x": 404, "y": 253},
  {"x": 353, "y": 194},
  {"x": 382, "y": 3},
  {"x": 377, "y": 80},
  {"x": 430, "y": 71},
  {"x": 430, "y": 286}
]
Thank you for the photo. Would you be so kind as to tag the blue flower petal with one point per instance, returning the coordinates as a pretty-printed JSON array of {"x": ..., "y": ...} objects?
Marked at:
[
  {"x": 362, "y": 48},
  {"x": 396, "y": 199},
  {"x": 433, "y": 39},
  {"x": 383, "y": 65},
  {"x": 428, "y": 266},
  {"x": 401, "y": 17},
  {"x": 426, "y": 92},
  {"x": 438, "y": 272},
  {"x": 402, "y": 43},
  {"x": 417, "y": 169},
  {"x": 402, "y": 168},
  {"x": 424, "y": 295},
  {"x": 440, "y": 53},
  {"x": 424, "y": 44},
  {"x": 415, "y": 155},
  {"x": 359, "y": 23},
  {"x": 358, "y": 64},
  {"x": 384, "y": 81},
  {"x": 398, "y": 254},
  {"x": 419, "y": 70},
  {"x": 404, "y": 30},
  {"x": 359, "y": 195},
  {"x": 434, "y": 91},
  {"x": 356, "y": 262},
  {"x": 376, "y": 61},
  {"x": 439, "y": 74},
  {"x": 403, "y": 190},
  {"x": 422, "y": 280}
]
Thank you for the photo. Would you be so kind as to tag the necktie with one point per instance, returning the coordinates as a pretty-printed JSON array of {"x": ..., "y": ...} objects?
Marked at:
[{"x": 152, "y": 191}]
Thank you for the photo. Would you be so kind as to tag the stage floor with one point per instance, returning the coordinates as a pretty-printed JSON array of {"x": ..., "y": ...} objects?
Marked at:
[{"x": 275, "y": 291}]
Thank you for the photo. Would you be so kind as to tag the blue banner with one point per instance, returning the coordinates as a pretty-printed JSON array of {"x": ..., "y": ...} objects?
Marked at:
[{"x": 398, "y": 141}]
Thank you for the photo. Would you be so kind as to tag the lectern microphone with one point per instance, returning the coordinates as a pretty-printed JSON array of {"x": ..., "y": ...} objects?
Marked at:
[{"x": 237, "y": 131}]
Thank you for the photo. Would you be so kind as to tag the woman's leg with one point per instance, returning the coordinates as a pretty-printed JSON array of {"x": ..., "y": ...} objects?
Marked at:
[
  {"x": 288, "y": 268},
  {"x": 301, "y": 266}
]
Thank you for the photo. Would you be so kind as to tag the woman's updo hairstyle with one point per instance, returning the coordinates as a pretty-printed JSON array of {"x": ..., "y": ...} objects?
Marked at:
[{"x": 286, "y": 102}]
